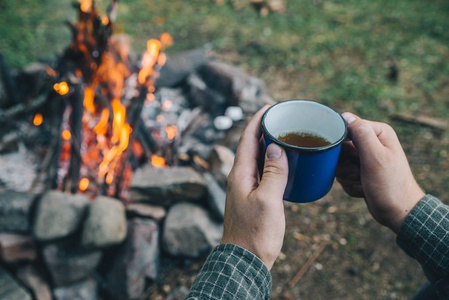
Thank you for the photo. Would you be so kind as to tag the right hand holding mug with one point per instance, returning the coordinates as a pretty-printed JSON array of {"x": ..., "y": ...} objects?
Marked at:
[{"x": 373, "y": 165}]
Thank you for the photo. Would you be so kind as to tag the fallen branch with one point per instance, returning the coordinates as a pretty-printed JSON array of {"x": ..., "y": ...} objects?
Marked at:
[
  {"x": 307, "y": 265},
  {"x": 436, "y": 123},
  {"x": 22, "y": 108}
]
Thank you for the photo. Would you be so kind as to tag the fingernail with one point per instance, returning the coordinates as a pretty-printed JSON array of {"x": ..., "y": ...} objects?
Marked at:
[
  {"x": 274, "y": 151},
  {"x": 349, "y": 118}
]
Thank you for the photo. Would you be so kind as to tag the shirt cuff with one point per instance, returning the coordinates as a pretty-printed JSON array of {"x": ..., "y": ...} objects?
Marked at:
[
  {"x": 232, "y": 272},
  {"x": 424, "y": 235}
]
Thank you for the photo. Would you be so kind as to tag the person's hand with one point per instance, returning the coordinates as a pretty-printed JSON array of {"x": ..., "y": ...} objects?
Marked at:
[
  {"x": 254, "y": 214},
  {"x": 374, "y": 166}
]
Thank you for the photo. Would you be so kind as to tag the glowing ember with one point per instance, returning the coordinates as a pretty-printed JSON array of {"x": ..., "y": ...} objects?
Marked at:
[
  {"x": 149, "y": 98},
  {"x": 166, "y": 105},
  {"x": 104, "y": 20},
  {"x": 66, "y": 135},
  {"x": 38, "y": 119},
  {"x": 171, "y": 131},
  {"x": 61, "y": 88},
  {"x": 51, "y": 72},
  {"x": 157, "y": 161},
  {"x": 84, "y": 183}
]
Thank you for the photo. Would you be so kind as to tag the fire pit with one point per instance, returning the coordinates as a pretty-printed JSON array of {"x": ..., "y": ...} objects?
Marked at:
[{"x": 111, "y": 164}]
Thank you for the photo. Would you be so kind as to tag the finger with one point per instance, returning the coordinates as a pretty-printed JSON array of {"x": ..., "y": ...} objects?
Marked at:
[
  {"x": 349, "y": 171},
  {"x": 249, "y": 140},
  {"x": 275, "y": 173},
  {"x": 246, "y": 158},
  {"x": 348, "y": 150},
  {"x": 365, "y": 134},
  {"x": 352, "y": 188}
]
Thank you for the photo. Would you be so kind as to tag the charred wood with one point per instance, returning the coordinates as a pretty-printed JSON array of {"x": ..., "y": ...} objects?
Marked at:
[
  {"x": 76, "y": 101},
  {"x": 8, "y": 81}
]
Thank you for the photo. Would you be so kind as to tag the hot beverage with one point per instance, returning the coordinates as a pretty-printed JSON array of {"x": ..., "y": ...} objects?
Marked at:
[{"x": 303, "y": 140}]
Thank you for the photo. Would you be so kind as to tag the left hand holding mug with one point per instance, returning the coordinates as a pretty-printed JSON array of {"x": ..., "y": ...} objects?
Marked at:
[
  {"x": 373, "y": 165},
  {"x": 254, "y": 214}
]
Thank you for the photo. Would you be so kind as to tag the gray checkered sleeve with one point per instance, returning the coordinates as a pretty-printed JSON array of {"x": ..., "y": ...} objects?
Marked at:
[
  {"x": 231, "y": 272},
  {"x": 425, "y": 237}
]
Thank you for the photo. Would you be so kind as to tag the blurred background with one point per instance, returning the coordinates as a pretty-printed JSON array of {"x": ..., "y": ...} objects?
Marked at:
[{"x": 383, "y": 60}]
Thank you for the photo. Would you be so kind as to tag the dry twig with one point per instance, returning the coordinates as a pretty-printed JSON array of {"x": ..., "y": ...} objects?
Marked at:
[{"x": 307, "y": 265}]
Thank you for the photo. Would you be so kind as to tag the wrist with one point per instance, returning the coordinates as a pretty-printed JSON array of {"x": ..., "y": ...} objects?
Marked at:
[{"x": 405, "y": 209}]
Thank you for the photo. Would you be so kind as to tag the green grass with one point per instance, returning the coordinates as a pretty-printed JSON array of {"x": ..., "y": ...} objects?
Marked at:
[{"x": 332, "y": 51}]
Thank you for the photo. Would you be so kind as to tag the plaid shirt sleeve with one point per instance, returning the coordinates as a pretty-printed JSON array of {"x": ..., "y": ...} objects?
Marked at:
[
  {"x": 425, "y": 237},
  {"x": 231, "y": 272}
]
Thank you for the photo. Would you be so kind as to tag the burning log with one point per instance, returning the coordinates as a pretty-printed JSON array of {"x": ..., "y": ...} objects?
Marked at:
[{"x": 104, "y": 94}]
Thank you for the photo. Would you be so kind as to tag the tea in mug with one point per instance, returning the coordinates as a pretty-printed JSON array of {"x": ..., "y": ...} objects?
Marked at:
[{"x": 303, "y": 140}]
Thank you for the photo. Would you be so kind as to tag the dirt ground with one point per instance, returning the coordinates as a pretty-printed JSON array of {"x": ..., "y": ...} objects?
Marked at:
[{"x": 360, "y": 259}]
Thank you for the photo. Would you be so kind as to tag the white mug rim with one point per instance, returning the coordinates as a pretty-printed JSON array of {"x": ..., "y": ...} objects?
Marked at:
[{"x": 303, "y": 149}]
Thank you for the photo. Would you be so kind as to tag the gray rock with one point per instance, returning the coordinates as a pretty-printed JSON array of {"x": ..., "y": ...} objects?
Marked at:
[
  {"x": 137, "y": 259},
  {"x": 217, "y": 196},
  {"x": 210, "y": 100},
  {"x": 68, "y": 263},
  {"x": 59, "y": 214},
  {"x": 191, "y": 144},
  {"x": 221, "y": 160},
  {"x": 177, "y": 69},
  {"x": 165, "y": 185},
  {"x": 33, "y": 279},
  {"x": 105, "y": 224},
  {"x": 146, "y": 210},
  {"x": 85, "y": 290},
  {"x": 17, "y": 170},
  {"x": 17, "y": 247},
  {"x": 10, "y": 289},
  {"x": 247, "y": 92},
  {"x": 190, "y": 231},
  {"x": 15, "y": 209}
]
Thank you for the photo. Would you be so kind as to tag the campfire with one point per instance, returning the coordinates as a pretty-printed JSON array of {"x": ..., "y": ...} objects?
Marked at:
[
  {"x": 104, "y": 93},
  {"x": 98, "y": 149}
]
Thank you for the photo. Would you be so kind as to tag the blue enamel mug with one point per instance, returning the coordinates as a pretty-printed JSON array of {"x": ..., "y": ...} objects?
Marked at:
[{"x": 311, "y": 171}]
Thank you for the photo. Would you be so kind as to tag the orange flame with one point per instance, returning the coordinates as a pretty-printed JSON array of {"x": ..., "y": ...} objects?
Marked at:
[
  {"x": 38, "y": 119},
  {"x": 101, "y": 127},
  {"x": 149, "y": 60},
  {"x": 86, "y": 5},
  {"x": 61, "y": 88},
  {"x": 166, "y": 39},
  {"x": 84, "y": 183},
  {"x": 89, "y": 99},
  {"x": 119, "y": 139},
  {"x": 157, "y": 161}
]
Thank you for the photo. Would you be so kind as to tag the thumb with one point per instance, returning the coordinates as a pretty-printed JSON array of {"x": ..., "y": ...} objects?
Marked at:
[
  {"x": 275, "y": 171},
  {"x": 364, "y": 134}
]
